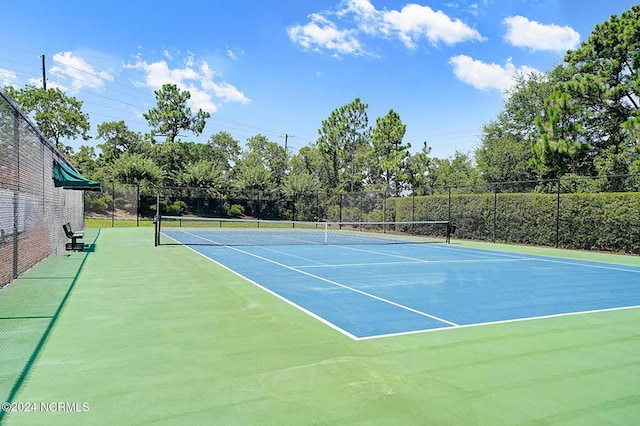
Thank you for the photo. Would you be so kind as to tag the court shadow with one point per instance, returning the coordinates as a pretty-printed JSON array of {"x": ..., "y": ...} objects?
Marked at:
[{"x": 27, "y": 333}]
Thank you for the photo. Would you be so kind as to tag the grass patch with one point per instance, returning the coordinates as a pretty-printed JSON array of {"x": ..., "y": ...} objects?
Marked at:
[{"x": 118, "y": 223}]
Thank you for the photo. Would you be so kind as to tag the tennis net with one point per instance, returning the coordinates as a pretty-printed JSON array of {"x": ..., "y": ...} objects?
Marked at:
[{"x": 179, "y": 230}]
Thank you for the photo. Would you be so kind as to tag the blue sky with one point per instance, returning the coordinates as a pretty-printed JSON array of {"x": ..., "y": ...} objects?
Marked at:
[{"x": 280, "y": 67}]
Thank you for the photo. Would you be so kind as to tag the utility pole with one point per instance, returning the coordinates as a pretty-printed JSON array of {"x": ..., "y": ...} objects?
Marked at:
[{"x": 44, "y": 75}]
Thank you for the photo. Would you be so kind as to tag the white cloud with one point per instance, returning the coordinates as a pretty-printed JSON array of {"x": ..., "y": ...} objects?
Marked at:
[
  {"x": 365, "y": 14},
  {"x": 414, "y": 22},
  {"x": 8, "y": 77},
  {"x": 207, "y": 88},
  {"x": 201, "y": 99},
  {"x": 235, "y": 54},
  {"x": 77, "y": 73},
  {"x": 522, "y": 32},
  {"x": 485, "y": 76},
  {"x": 222, "y": 89},
  {"x": 410, "y": 24},
  {"x": 321, "y": 33}
]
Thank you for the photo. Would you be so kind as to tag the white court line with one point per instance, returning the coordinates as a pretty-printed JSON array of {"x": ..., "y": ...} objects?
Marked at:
[
  {"x": 346, "y": 287},
  {"x": 418, "y": 260},
  {"x": 589, "y": 265},
  {"x": 514, "y": 256},
  {"x": 409, "y": 262},
  {"x": 478, "y": 324},
  {"x": 316, "y": 263},
  {"x": 273, "y": 293},
  {"x": 542, "y": 258}
]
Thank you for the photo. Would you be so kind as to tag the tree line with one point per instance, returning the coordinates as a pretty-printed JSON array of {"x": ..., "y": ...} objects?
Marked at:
[{"x": 580, "y": 118}]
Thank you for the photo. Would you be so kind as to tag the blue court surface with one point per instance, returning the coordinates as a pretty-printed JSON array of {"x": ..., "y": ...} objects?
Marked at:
[{"x": 368, "y": 291}]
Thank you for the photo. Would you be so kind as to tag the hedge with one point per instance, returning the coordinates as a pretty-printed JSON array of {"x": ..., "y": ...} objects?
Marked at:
[{"x": 598, "y": 221}]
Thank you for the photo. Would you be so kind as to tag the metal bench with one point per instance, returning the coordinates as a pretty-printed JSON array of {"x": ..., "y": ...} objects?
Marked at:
[{"x": 74, "y": 237}]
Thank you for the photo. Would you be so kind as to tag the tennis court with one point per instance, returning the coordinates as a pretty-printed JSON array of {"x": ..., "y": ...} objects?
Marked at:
[
  {"x": 378, "y": 289},
  {"x": 142, "y": 334}
]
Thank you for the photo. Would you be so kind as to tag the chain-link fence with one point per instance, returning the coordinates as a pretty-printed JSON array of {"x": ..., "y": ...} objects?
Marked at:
[
  {"x": 118, "y": 205},
  {"x": 204, "y": 202},
  {"x": 32, "y": 210},
  {"x": 590, "y": 213}
]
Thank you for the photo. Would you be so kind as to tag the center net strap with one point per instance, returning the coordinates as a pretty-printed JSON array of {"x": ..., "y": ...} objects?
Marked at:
[{"x": 232, "y": 232}]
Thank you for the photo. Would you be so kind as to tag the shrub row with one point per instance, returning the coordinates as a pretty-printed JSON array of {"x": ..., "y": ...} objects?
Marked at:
[{"x": 599, "y": 221}]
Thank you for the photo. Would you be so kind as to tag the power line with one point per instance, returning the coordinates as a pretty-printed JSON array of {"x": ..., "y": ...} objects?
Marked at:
[
  {"x": 101, "y": 100},
  {"x": 236, "y": 126}
]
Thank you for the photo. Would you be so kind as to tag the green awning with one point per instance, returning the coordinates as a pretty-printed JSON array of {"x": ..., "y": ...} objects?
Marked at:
[{"x": 67, "y": 178}]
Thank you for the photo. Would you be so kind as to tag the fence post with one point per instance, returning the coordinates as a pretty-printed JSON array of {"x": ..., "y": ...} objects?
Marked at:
[
  {"x": 413, "y": 208},
  {"x": 293, "y": 206},
  {"x": 413, "y": 214},
  {"x": 495, "y": 210},
  {"x": 156, "y": 221},
  {"x": 258, "y": 214},
  {"x": 113, "y": 204},
  {"x": 384, "y": 211},
  {"x": 138, "y": 204},
  {"x": 558, "y": 214},
  {"x": 15, "y": 235},
  {"x": 16, "y": 191},
  {"x": 449, "y": 202}
]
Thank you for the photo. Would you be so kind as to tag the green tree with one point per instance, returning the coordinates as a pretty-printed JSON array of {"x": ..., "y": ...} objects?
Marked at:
[
  {"x": 262, "y": 155},
  {"x": 503, "y": 156},
  {"x": 309, "y": 161},
  {"x": 421, "y": 171},
  {"x": 57, "y": 115},
  {"x": 85, "y": 161},
  {"x": 343, "y": 142},
  {"x": 202, "y": 174},
  {"x": 117, "y": 140},
  {"x": 136, "y": 169},
  {"x": 632, "y": 128},
  {"x": 505, "y": 150},
  {"x": 172, "y": 114},
  {"x": 390, "y": 156},
  {"x": 457, "y": 170},
  {"x": 602, "y": 76},
  {"x": 301, "y": 183},
  {"x": 558, "y": 149},
  {"x": 255, "y": 177},
  {"x": 223, "y": 150},
  {"x": 172, "y": 156}
]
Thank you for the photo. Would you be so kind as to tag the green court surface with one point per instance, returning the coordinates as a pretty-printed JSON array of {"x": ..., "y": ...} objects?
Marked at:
[{"x": 129, "y": 333}]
